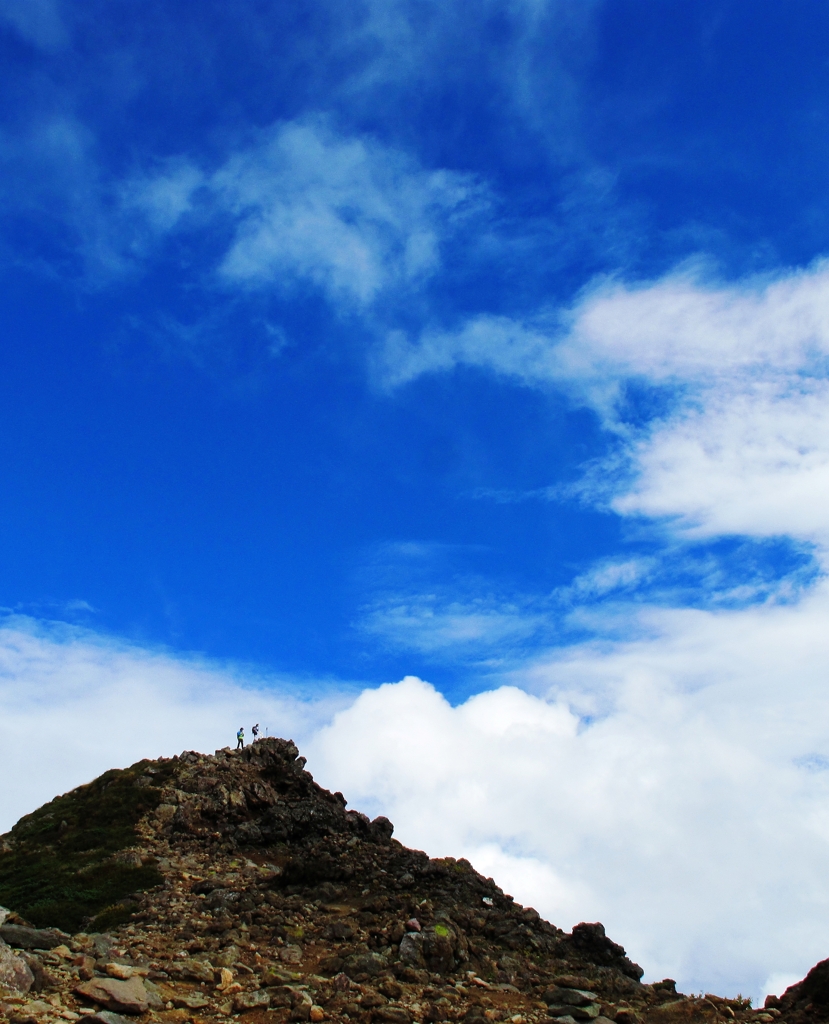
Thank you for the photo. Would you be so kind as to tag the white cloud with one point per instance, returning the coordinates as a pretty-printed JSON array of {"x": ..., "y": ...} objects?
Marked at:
[
  {"x": 611, "y": 574},
  {"x": 431, "y": 623},
  {"x": 672, "y": 786},
  {"x": 674, "y": 810},
  {"x": 743, "y": 446},
  {"x": 348, "y": 214},
  {"x": 499, "y": 343},
  {"x": 73, "y": 704},
  {"x": 678, "y": 329},
  {"x": 52, "y": 176},
  {"x": 754, "y": 459},
  {"x": 163, "y": 198},
  {"x": 686, "y": 807},
  {"x": 344, "y": 213}
]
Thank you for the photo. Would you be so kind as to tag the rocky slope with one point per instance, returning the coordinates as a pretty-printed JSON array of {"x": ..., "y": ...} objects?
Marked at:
[{"x": 206, "y": 886}]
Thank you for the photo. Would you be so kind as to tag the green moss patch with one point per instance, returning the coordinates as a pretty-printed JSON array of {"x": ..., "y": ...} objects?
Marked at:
[{"x": 59, "y": 872}]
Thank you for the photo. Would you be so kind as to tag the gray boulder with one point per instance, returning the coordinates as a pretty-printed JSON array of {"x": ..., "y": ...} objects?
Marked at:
[
  {"x": 569, "y": 997},
  {"x": 15, "y": 975},
  {"x": 20, "y": 937}
]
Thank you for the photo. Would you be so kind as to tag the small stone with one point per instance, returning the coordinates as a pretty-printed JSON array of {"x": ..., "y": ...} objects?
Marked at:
[
  {"x": 411, "y": 950},
  {"x": 301, "y": 1005},
  {"x": 198, "y": 970},
  {"x": 86, "y": 967},
  {"x": 275, "y": 976},
  {"x": 251, "y": 1001},
  {"x": 228, "y": 957},
  {"x": 226, "y": 979},
  {"x": 392, "y": 1015},
  {"x": 413, "y": 925},
  {"x": 572, "y": 981},
  {"x": 371, "y": 964},
  {"x": 290, "y": 955},
  {"x": 121, "y": 996},
  {"x": 122, "y": 971},
  {"x": 407, "y": 879},
  {"x": 316, "y": 1014},
  {"x": 107, "y": 1017},
  {"x": 38, "y": 1006},
  {"x": 154, "y": 997},
  {"x": 190, "y": 1001},
  {"x": 583, "y": 1012}
]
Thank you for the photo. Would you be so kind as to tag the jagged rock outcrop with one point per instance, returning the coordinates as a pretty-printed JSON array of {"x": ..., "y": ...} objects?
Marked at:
[
  {"x": 808, "y": 1000},
  {"x": 202, "y": 886}
]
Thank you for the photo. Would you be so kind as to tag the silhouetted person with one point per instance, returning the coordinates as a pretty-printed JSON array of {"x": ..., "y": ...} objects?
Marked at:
[
  {"x": 255, "y": 731},
  {"x": 240, "y": 739}
]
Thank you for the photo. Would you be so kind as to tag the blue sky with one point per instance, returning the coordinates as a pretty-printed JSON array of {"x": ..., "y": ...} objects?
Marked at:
[
  {"x": 347, "y": 346},
  {"x": 203, "y": 451}
]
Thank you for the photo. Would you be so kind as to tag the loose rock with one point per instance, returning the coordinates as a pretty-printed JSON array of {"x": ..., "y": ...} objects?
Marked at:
[
  {"x": 15, "y": 975},
  {"x": 121, "y": 996}
]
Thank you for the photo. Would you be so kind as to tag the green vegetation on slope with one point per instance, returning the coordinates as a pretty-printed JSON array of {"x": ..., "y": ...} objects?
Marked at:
[{"x": 60, "y": 869}]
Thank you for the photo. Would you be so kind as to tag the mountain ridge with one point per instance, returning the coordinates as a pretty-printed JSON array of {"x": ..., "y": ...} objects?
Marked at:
[{"x": 204, "y": 886}]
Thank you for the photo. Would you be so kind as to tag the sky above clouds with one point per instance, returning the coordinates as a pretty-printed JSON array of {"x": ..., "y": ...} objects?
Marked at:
[{"x": 447, "y": 388}]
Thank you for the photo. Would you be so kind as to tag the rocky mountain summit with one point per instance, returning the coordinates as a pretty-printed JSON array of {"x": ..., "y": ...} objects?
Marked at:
[{"x": 202, "y": 887}]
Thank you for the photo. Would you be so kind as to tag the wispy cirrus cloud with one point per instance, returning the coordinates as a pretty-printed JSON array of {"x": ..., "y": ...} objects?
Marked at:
[
  {"x": 306, "y": 204},
  {"x": 39, "y": 22},
  {"x": 474, "y": 627},
  {"x": 299, "y": 205}
]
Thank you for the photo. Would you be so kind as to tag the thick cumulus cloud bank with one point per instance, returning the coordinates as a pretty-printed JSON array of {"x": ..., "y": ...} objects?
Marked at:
[{"x": 675, "y": 786}]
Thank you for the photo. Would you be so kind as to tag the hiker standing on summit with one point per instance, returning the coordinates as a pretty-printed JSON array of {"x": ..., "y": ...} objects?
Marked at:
[
  {"x": 240, "y": 739},
  {"x": 255, "y": 731}
]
